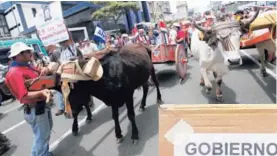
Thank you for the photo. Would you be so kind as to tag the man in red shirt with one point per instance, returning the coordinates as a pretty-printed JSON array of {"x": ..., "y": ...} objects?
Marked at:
[
  {"x": 36, "y": 113},
  {"x": 180, "y": 38}
]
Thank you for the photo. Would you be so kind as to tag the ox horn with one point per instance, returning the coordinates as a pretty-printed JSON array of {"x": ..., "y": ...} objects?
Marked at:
[
  {"x": 200, "y": 27},
  {"x": 251, "y": 19}
]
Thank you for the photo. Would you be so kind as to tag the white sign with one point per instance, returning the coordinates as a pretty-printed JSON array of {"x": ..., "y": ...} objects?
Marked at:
[
  {"x": 225, "y": 144},
  {"x": 50, "y": 24}
]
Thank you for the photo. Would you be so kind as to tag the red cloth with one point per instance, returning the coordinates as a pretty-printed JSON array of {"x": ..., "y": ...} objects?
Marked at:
[
  {"x": 134, "y": 31},
  {"x": 143, "y": 39},
  {"x": 208, "y": 23},
  {"x": 180, "y": 34},
  {"x": 15, "y": 80},
  {"x": 162, "y": 25}
]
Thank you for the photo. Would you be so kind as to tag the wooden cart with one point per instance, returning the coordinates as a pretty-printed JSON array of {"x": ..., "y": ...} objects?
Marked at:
[{"x": 170, "y": 54}]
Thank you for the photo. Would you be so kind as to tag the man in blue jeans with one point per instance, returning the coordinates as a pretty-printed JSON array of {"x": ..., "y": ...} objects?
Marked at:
[{"x": 36, "y": 113}]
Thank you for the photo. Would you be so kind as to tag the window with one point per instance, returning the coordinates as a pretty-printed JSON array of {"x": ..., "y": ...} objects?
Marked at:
[
  {"x": 2, "y": 20},
  {"x": 6, "y": 30},
  {"x": 36, "y": 48},
  {"x": 34, "y": 12},
  {"x": 1, "y": 32}
]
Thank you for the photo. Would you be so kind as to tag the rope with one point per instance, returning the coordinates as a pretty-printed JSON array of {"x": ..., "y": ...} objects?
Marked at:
[{"x": 225, "y": 25}]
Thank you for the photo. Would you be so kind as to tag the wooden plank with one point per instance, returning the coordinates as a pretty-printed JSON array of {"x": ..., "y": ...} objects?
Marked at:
[{"x": 242, "y": 118}]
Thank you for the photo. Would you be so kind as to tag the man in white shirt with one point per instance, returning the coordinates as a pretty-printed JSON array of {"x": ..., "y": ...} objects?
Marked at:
[
  {"x": 172, "y": 35},
  {"x": 87, "y": 47}
]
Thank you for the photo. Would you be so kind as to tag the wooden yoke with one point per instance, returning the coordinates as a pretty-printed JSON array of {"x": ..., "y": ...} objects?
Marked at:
[{"x": 66, "y": 92}]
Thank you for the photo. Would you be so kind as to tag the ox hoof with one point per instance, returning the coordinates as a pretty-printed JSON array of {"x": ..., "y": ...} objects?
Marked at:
[
  {"x": 67, "y": 116},
  {"x": 141, "y": 109},
  {"x": 135, "y": 141},
  {"x": 119, "y": 140},
  {"x": 208, "y": 90},
  {"x": 264, "y": 74},
  {"x": 160, "y": 101},
  {"x": 88, "y": 120},
  {"x": 219, "y": 98},
  {"x": 202, "y": 84},
  {"x": 75, "y": 133}
]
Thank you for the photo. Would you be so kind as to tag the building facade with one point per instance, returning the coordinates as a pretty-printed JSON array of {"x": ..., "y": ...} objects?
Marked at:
[
  {"x": 20, "y": 16},
  {"x": 4, "y": 30},
  {"x": 159, "y": 10},
  {"x": 182, "y": 10}
]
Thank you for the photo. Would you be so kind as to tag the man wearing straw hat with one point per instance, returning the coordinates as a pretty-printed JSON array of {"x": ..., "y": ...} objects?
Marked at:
[{"x": 36, "y": 113}]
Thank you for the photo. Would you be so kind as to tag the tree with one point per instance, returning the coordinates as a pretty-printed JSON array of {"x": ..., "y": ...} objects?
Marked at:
[{"x": 113, "y": 9}]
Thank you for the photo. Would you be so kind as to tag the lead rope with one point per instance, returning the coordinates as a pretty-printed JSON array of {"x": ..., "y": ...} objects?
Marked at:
[{"x": 66, "y": 92}]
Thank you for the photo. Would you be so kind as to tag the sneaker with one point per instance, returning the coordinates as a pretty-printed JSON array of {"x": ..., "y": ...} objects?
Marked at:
[{"x": 59, "y": 112}]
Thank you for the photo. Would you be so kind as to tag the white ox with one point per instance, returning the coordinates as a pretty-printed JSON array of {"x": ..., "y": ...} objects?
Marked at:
[
  {"x": 269, "y": 44},
  {"x": 219, "y": 50}
]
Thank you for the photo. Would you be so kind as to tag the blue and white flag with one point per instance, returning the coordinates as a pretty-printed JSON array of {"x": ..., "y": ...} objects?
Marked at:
[{"x": 99, "y": 35}]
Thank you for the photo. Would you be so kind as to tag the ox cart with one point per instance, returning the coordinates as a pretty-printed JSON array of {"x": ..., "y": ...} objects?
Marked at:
[
  {"x": 170, "y": 54},
  {"x": 262, "y": 35},
  {"x": 164, "y": 53}
]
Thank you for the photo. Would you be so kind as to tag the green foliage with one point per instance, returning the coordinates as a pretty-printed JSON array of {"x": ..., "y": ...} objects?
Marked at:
[{"x": 113, "y": 9}]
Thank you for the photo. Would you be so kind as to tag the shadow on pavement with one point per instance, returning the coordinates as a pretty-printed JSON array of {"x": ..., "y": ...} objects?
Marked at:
[
  {"x": 229, "y": 96},
  {"x": 167, "y": 78},
  {"x": 268, "y": 84},
  {"x": 10, "y": 151},
  {"x": 148, "y": 124},
  {"x": 71, "y": 145}
]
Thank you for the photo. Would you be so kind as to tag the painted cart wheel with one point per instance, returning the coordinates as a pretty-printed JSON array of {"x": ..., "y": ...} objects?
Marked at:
[{"x": 180, "y": 61}]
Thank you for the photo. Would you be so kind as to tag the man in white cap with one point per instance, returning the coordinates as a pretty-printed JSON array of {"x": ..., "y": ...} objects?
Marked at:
[
  {"x": 36, "y": 113},
  {"x": 88, "y": 46},
  {"x": 142, "y": 37}
]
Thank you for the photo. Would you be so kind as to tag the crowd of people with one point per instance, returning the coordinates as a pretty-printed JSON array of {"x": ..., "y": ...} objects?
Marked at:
[{"x": 25, "y": 62}]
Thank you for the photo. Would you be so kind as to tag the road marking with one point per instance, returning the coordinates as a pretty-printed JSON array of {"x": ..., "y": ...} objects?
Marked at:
[
  {"x": 254, "y": 60},
  {"x": 22, "y": 122},
  {"x": 80, "y": 123},
  {"x": 14, "y": 127},
  {"x": 12, "y": 109}
]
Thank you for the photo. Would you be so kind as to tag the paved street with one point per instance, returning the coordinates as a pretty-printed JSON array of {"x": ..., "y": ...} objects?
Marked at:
[{"x": 241, "y": 85}]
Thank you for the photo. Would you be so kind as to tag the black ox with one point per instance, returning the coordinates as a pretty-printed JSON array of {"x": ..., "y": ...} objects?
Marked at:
[{"x": 124, "y": 72}]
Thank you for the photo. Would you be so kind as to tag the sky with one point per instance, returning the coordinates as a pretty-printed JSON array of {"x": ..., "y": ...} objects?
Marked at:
[{"x": 198, "y": 5}]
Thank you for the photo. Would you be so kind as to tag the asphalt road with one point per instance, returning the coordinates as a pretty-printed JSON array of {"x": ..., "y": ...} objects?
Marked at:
[{"x": 242, "y": 85}]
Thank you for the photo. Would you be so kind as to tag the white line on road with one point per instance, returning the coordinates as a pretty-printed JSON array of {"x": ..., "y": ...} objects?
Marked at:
[
  {"x": 14, "y": 127},
  {"x": 22, "y": 122},
  {"x": 80, "y": 123},
  {"x": 12, "y": 109},
  {"x": 254, "y": 60}
]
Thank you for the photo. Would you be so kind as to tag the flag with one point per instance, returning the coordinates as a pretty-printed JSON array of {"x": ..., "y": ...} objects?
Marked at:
[{"x": 99, "y": 35}]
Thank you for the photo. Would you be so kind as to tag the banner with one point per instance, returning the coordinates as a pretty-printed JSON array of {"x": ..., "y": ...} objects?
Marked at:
[
  {"x": 225, "y": 144},
  {"x": 100, "y": 33},
  {"x": 50, "y": 24}
]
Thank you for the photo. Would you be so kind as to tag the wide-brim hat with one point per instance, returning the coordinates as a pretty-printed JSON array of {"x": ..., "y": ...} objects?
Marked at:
[
  {"x": 176, "y": 25},
  {"x": 19, "y": 47},
  {"x": 124, "y": 35}
]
